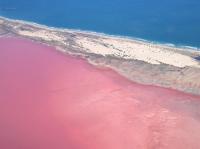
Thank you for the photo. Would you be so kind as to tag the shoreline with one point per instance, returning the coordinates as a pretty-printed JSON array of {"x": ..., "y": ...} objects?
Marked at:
[
  {"x": 139, "y": 61},
  {"x": 101, "y": 34},
  {"x": 97, "y": 67}
]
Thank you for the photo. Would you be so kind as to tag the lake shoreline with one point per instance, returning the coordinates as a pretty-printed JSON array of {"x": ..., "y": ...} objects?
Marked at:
[{"x": 139, "y": 61}]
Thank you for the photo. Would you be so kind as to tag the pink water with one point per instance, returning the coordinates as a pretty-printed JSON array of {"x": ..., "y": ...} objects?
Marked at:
[{"x": 53, "y": 101}]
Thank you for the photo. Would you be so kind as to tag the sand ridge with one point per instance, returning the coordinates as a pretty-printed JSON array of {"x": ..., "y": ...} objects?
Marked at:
[{"x": 119, "y": 47}]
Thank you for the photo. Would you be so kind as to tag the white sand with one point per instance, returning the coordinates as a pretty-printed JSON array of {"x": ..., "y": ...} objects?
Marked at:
[
  {"x": 45, "y": 35},
  {"x": 138, "y": 51},
  {"x": 121, "y": 48}
]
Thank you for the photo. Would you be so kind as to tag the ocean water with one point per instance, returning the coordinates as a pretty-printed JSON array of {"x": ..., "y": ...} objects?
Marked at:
[{"x": 170, "y": 21}]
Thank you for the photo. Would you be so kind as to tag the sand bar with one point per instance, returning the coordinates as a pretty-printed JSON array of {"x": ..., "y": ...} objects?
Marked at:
[{"x": 140, "y": 61}]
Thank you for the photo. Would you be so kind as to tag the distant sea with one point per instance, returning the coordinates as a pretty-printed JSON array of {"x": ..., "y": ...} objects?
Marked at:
[{"x": 165, "y": 21}]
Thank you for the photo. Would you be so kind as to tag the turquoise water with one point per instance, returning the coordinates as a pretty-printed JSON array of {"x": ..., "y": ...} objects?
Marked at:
[{"x": 170, "y": 21}]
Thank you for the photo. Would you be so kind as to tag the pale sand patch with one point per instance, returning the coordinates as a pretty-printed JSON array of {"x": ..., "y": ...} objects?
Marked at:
[
  {"x": 133, "y": 50},
  {"x": 1, "y": 21},
  {"x": 46, "y": 35}
]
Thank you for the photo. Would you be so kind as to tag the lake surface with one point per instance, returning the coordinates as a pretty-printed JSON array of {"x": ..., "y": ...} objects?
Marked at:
[
  {"x": 171, "y": 21},
  {"x": 50, "y": 100}
]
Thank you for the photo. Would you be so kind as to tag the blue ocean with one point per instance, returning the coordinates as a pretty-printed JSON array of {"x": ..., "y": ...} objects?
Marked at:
[{"x": 164, "y": 21}]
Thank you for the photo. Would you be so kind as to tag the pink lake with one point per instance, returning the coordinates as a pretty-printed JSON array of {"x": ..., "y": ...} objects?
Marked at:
[{"x": 49, "y": 100}]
